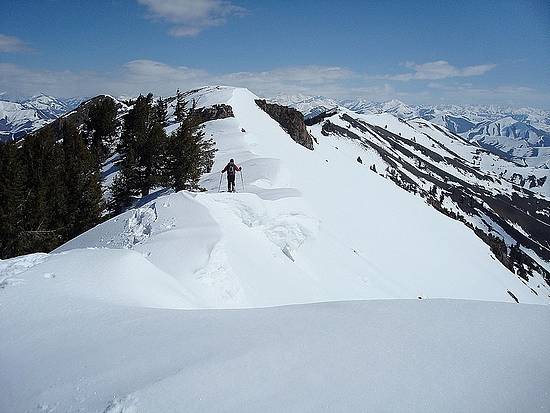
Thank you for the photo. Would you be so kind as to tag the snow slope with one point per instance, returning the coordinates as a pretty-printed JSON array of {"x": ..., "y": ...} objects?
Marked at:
[
  {"x": 311, "y": 226},
  {"x": 86, "y": 355},
  {"x": 127, "y": 317}
]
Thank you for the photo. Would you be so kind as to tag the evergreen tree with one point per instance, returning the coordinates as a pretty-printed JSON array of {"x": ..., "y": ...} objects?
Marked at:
[
  {"x": 102, "y": 125},
  {"x": 84, "y": 198},
  {"x": 134, "y": 134},
  {"x": 161, "y": 112},
  {"x": 44, "y": 206},
  {"x": 12, "y": 199},
  {"x": 121, "y": 195},
  {"x": 517, "y": 259},
  {"x": 190, "y": 154},
  {"x": 141, "y": 148},
  {"x": 180, "y": 112}
]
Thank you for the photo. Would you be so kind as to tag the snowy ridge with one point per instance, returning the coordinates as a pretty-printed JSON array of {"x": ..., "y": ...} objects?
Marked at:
[
  {"x": 205, "y": 241},
  {"x": 519, "y": 135},
  {"x": 308, "y": 227}
]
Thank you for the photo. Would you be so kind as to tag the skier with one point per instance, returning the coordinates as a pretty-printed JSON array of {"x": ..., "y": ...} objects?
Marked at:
[{"x": 231, "y": 168}]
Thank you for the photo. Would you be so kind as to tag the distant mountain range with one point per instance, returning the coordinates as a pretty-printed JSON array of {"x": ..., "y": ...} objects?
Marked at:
[
  {"x": 518, "y": 135},
  {"x": 17, "y": 118},
  {"x": 521, "y": 135}
]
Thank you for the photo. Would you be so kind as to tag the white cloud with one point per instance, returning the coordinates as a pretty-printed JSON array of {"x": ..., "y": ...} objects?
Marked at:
[
  {"x": 10, "y": 44},
  {"x": 439, "y": 69},
  {"x": 190, "y": 17},
  {"x": 143, "y": 76}
]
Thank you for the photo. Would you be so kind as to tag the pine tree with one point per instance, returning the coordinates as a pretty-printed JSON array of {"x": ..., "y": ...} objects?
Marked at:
[
  {"x": 121, "y": 195},
  {"x": 141, "y": 148},
  {"x": 161, "y": 112},
  {"x": 84, "y": 198},
  {"x": 180, "y": 112},
  {"x": 44, "y": 206},
  {"x": 101, "y": 125},
  {"x": 517, "y": 259},
  {"x": 134, "y": 134},
  {"x": 12, "y": 197},
  {"x": 190, "y": 154}
]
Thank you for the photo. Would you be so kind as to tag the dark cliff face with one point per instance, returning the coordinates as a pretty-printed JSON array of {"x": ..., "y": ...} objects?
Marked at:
[
  {"x": 291, "y": 120},
  {"x": 215, "y": 112}
]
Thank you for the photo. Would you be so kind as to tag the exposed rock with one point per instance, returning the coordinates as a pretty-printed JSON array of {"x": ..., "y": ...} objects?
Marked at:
[
  {"x": 320, "y": 117},
  {"x": 221, "y": 111},
  {"x": 291, "y": 120}
]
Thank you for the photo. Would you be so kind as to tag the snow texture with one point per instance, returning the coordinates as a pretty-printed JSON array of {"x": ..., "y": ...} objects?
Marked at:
[{"x": 132, "y": 316}]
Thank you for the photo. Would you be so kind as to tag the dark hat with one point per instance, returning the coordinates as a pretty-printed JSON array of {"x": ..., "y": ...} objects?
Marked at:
[{"x": 231, "y": 160}]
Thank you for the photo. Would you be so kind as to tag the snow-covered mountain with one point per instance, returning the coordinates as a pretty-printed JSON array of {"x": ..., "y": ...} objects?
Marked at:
[
  {"x": 380, "y": 208},
  {"x": 515, "y": 134},
  {"x": 521, "y": 136},
  {"x": 20, "y": 117}
]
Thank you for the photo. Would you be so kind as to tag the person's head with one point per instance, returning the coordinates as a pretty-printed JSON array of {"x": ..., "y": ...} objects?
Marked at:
[{"x": 231, "y": 160}]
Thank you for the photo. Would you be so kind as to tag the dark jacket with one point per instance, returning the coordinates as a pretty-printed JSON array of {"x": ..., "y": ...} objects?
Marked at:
[{"x": 231, "y": 168}]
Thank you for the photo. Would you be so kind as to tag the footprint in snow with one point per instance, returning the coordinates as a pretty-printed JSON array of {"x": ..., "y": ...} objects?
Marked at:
[{"x": 49, "y": 275}]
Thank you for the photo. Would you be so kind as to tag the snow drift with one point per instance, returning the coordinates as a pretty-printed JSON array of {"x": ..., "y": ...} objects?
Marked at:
[{"x": 98, "y": 326}]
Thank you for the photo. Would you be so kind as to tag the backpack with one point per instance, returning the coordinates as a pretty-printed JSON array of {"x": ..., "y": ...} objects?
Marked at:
[{"x": 231, "y": 169}]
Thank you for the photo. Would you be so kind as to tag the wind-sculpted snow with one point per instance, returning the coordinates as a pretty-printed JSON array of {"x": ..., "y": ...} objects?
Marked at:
[
  {"x": 102, "y": 324},
  {"x": 306, "y": 226},
  {"x": 393, "y": 355}
]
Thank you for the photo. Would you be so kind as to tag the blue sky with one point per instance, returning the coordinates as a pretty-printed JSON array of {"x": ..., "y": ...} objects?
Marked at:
[{"x": 419, "y": 52}]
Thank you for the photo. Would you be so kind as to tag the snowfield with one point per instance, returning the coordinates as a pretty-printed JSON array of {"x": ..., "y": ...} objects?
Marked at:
[
  {"x": 133, "y": 315},
  {"x": 83, "y": 355}
]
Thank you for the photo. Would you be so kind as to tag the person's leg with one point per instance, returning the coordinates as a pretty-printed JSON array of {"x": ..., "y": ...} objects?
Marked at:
[{"x": 228, "y": 183}]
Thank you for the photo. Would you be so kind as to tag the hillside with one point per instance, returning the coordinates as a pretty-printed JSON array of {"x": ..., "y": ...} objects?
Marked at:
[
  {"x": 293, "y": 206},
  {"x": 141, "y": 300}
]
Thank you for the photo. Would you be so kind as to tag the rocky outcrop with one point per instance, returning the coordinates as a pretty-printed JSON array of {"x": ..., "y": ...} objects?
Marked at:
[
  {"x": 320, "y": 117},
  {"x": 291, "y": 120},
  {"x": 221, "y": 111}
]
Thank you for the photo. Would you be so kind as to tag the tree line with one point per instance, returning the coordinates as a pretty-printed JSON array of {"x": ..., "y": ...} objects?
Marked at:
[{"x": 51, "y": 186}]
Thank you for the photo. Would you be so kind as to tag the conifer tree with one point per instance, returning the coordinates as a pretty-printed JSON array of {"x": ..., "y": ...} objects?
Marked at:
[
  {"x": 180, "y": 112},
  {"x": 102, "y": 124},
  {"x": 190, "y": 154},
  {"x": 12, "y": 198},
  {"x": 84, "y": 198},
  {"x": 44, "y": 206},
  {"x": 141, "y": 148},
  {"x": 161, "y": 112},
  {"x": 121, "y": 195}
]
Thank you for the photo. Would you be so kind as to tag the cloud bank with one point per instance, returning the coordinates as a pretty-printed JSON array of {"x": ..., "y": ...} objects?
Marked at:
[
  {"x": 143, "y": 76},
  {"x": 439, "y": 69}
]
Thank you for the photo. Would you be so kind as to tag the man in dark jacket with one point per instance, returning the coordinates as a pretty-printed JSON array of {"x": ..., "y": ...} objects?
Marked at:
[{"x": 231, "y": 168}]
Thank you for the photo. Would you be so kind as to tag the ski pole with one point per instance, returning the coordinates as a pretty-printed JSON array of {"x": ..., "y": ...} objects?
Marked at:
[
  {"x": 220, "y": 185},
  {"x": 242, "y": 180}
]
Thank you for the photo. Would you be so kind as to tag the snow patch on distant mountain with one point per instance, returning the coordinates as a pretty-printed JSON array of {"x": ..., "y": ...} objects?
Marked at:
[
  {"x": 511, "y": 133},
  {"x": 21, "y": 117}
]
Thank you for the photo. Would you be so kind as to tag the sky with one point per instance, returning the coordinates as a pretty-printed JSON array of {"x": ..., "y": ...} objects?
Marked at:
[{"x": 420, "y": 52}]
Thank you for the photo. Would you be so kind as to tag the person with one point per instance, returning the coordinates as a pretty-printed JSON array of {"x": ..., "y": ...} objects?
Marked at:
[{"x": 231, "y": 168}]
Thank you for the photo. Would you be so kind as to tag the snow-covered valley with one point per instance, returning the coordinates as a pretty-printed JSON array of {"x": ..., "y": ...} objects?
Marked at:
[{"x": 175, "y": 305}]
